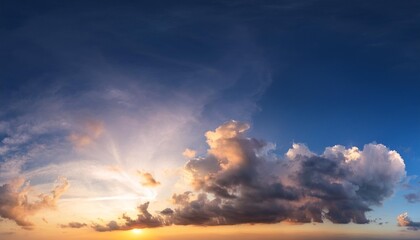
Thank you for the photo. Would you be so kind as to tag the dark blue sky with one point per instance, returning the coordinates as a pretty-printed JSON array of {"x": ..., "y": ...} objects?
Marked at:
[
  {"x": 317, "y": 72},
  {"x": 338, "y": 71}
]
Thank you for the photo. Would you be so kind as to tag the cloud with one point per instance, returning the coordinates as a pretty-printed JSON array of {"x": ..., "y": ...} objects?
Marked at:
[
  {"x": 189, "y": 153},
  {"x": 90, "y": 132},
  {"x": 404, "y": 221},
  {"x": 148, "y": 180},
  {"x": 73, "y": 225},
  {"x": 240, "y": 180},
  {"x": 144, "y": 220},
  {"x": 111, "y": 226},
  {"x": 412, "y": 197},
  {"x": 15, "y": 204}
]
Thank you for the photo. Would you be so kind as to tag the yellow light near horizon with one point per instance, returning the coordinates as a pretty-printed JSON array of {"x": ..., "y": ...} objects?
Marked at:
[{"x": 136, "y": 231}]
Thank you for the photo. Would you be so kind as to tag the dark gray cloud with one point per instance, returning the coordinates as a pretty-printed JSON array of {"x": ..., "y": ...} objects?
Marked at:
[
  {"x": 144, "y": 220},
  {"x": 167, "y": 211},
  {"x": 240, "y": 180},
  {"x": 404, "y": 221},
  {"x": 110, "y": 226},
  {"x": 73, "y": 225},
  {"x": 16, "y": 206},
  {"x": 412, "y": 197}
]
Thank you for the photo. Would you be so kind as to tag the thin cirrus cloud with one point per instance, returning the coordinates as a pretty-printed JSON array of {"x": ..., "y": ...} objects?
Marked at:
[
  {"x": 240, "y": 180},
  {"x": 15, "y": 203}
]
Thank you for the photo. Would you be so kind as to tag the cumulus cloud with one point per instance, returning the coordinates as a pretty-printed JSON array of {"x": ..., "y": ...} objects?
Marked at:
[
  {"x": 15, "y": 204},
  {"x": 73, "y": 225},
  {"x": 240, "y": 180},
  {"x": 404, "y": 221},
  {"x": 148, "y": 180}
]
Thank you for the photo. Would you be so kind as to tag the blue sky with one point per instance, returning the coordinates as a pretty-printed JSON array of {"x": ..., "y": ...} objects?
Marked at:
[{"x": 131, "y": 85}]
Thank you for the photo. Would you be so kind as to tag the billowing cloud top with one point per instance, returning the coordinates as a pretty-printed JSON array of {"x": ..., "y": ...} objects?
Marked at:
[{"x": 240, "y": 180}]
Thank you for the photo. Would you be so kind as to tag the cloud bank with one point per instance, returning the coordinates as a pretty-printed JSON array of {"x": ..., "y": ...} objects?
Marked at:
[
  {"x": 240, "y": 180},
  {"x": 16, "y": 206}
]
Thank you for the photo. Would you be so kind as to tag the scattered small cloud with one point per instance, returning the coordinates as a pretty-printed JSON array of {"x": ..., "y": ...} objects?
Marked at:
[
  {"x": 148, "y": 180},
  {"x": 73, "y": 225}
]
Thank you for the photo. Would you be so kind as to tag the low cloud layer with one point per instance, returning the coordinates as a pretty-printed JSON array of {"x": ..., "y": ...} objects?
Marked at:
[
  {"x": 240, "y": 180},
  {"x": 16, "y": 206},
  {"x": 144, "y": 219},
  {"x": 404, "y": 221}
]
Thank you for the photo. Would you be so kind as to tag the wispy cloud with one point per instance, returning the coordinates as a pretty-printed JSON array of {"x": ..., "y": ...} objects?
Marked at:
[{"x": 90, "y": 132}]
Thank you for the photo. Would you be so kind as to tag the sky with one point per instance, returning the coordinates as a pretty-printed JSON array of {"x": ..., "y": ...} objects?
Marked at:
[{"x": 210, "y": 119}]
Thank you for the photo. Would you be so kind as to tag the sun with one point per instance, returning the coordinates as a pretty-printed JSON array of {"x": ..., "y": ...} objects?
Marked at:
[{"x": 137, "y": 231}]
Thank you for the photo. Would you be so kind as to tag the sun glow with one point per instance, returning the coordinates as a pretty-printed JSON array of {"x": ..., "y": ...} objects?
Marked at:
[{"x": 137, "y": 231}]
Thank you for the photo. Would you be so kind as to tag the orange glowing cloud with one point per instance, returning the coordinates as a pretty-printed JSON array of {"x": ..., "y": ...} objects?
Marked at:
[
  {"x": 148, "y": 180},
  {"x": 15, "y": 204}
]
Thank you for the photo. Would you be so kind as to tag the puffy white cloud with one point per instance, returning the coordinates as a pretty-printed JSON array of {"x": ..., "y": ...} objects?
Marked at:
[{"x": 299, "y": 149}]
